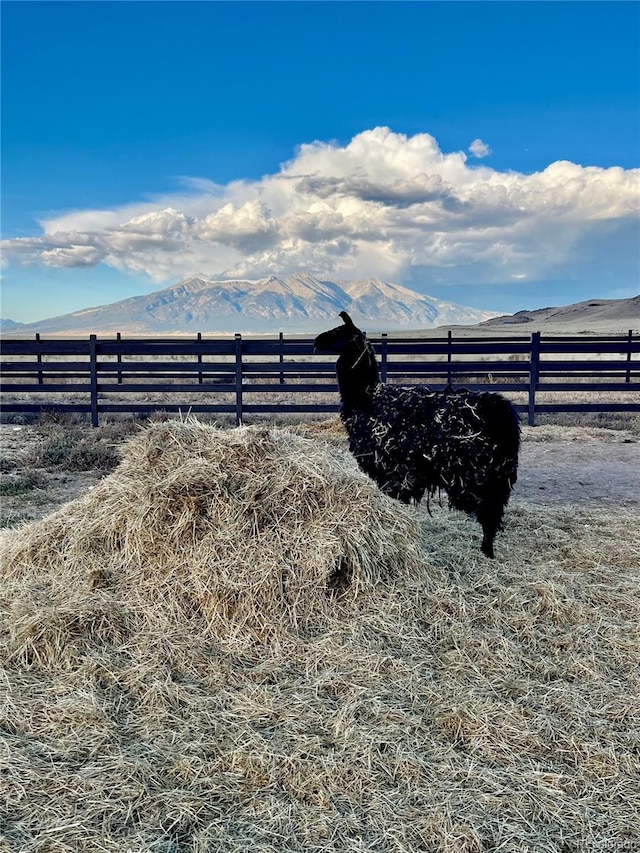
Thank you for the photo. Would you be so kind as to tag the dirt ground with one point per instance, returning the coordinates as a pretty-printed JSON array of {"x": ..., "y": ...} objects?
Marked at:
[
  {"x": 575, "y": 465},
  {"x": 52, "y": 488},
  {"x": 558, "y": 465}
]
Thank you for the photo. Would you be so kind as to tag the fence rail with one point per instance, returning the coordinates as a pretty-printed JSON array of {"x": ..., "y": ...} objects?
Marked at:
[{"x": 109, "y": 372}]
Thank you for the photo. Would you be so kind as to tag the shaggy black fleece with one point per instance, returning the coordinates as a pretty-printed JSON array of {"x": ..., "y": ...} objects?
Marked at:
[{"x": 412, "y": 440}]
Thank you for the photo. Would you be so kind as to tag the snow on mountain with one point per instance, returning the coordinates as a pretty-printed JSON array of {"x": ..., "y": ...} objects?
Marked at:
[
  {"x": 404, "y": 308},
  {"x": 300, "y": 303}
]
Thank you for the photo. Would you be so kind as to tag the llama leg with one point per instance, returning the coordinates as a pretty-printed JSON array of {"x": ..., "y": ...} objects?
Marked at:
[{"x": 490, "y": 518}]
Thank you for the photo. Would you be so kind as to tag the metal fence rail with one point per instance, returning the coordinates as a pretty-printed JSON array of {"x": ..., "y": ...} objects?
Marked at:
[{"x": 225, "y": 373}]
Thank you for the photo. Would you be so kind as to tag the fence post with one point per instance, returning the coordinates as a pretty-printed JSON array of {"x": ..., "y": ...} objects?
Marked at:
[
  {"x": 119, "y": 357},
  {"x": 629, "y": 342},
  {"x": 383, "y": 358},
  {"x": 449, "y": 342},
  {"x": 534, "y": 369},
  {"x": 199, "y": 357},
  {"x": 281, "y": 359},
  {"x": 93, "y": 367},
  {"x": 238, "y": 340},
  {"x": 39, "y": 359}
]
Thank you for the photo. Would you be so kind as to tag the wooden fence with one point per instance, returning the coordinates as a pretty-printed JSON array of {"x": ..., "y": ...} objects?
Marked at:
[{"x": 227, "y": 375}]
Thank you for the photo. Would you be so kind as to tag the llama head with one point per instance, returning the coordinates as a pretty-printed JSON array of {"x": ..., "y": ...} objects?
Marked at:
[
  {"x": 356, "y": 366},
  {"x": 343, "y": 339}
]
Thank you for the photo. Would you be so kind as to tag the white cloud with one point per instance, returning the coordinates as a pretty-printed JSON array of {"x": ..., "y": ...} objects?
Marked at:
[
  {"x": 384, "y": 204},
  {"x": 71, "y": 256},
  {"x": 479, "y": 149}
]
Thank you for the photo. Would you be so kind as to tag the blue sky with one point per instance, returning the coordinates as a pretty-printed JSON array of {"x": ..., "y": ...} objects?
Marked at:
[{"x": 479, "y": 152}]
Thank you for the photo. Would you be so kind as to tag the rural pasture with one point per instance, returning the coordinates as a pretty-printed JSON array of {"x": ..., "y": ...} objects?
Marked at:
[
  {"x": 231, "y": 640},
  {"x": 542, "y": 373}
]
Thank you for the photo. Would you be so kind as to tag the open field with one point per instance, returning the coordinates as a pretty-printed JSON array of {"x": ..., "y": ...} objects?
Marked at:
[
  {"x": 256, "y": 378},
  {"x": 194, "y": 662}
]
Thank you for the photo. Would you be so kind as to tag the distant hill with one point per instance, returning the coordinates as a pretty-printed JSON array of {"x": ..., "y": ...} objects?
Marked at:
[
  {"x": 7, "y": 325},
  {"x": 624, "y": 313},
  {"x": 297, "y": 304}
]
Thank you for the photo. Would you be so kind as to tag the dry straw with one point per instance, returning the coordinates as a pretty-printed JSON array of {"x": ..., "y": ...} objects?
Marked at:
[{"x": 235, "y": 643}]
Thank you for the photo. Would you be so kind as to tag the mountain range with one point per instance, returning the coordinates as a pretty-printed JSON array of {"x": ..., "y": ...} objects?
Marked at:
[
  {"x": 591, "y": 311},
  {"x": 298, "y": 304}
]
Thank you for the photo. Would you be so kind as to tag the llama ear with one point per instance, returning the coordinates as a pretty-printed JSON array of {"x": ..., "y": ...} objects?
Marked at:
[{"x": 347, "y": 319}]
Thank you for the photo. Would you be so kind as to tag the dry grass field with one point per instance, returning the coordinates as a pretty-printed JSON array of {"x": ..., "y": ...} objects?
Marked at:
[
  {"x": 230, "y": 640},
  {"x": 292, "y": 392}
]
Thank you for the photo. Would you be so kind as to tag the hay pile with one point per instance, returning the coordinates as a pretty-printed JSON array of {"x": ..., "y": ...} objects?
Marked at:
[
  {"x": 243, "y": 534},
  {"x": 236, "y": 642}
]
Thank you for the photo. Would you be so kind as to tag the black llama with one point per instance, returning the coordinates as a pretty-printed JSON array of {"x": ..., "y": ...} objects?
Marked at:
[{"x": 412, "y": 440}]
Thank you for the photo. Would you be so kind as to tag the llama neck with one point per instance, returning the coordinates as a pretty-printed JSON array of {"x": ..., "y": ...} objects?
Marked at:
[{"x": 358, "y": 377}]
